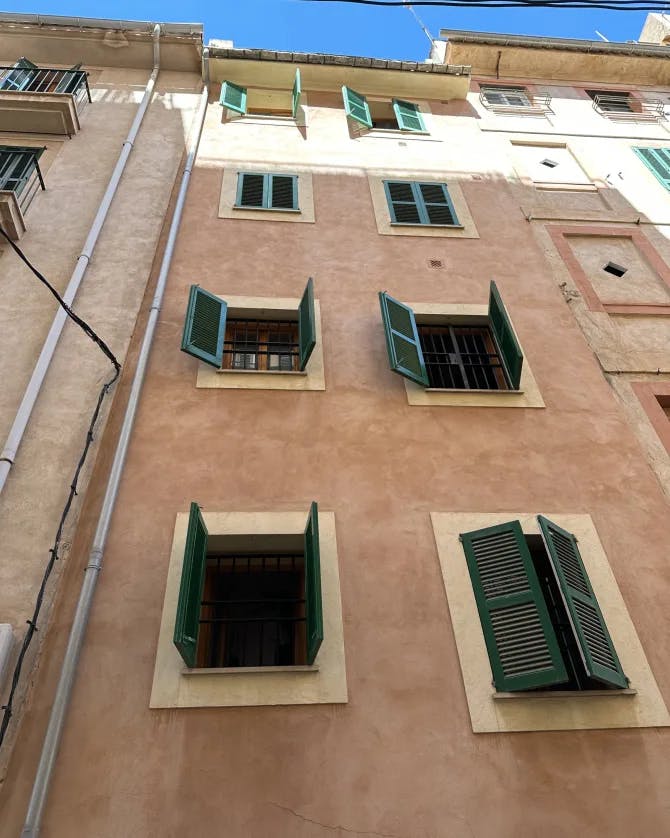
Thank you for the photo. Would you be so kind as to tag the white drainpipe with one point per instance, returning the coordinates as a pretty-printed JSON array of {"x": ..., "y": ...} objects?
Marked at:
[
  {"x": 8, "y": 454},
  {"x": 78, "y": 630}
]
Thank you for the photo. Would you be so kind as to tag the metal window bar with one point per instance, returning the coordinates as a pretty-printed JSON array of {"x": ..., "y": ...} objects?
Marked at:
[
  {"x": 514, "y": 100},
  {"x": 462, "y": 358},
  {"x": 47, "y": 80},
  {"x": 20, "y": 173},
  {"x": 253, "y": 611},
  {"x": 266, "y": 345},
  {"x": 622, "y": 106}
]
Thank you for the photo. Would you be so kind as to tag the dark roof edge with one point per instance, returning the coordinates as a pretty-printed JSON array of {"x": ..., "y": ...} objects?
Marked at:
[{"x": 139, "y": 26}]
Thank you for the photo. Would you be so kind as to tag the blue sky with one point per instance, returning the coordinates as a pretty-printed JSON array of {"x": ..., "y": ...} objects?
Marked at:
[{"x": 345, "y": 28}]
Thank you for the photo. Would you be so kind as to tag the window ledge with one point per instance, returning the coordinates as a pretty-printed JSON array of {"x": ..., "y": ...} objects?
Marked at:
[
  {"x": 445, "y": 226},
  {"x": 502, "y": 696},
  {"x": 395, "y": 133},
  {"x": 248, "y": 670},
  {"x": 264, "y": 372},
  {"x": 265, "y": 209},
  {"x": 562, "y": 186},
  {"x": 468, "y": 390}
]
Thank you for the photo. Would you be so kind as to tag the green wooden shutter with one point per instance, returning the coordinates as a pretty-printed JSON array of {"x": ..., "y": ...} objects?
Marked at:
[
  {"x": 283, "y": 192},
  {"x": 233, "y": 97},
  {"x": 313, "y": 605},
  {"x": 252, "y": 190},
  {"x": 70, "y": 80},
  {"x": 402, "y": 201},
  {"x": 187, "y": 621},
  {"x": 437, "y": 207},
  {"x": 297, "y": 92},
  {"x": 594, "y": 641},
  {"x": 520, "y": 638},
  {"x": 356, "y": 106},
  {"x": 657, "y": 160},
  {"x": 204, "y": 326},
  {"x": 508, "y": 346},
  {"x": 408, "y": 116},
  {"x": 306, "y": 324},
  {"x": 402, "y": 340}
]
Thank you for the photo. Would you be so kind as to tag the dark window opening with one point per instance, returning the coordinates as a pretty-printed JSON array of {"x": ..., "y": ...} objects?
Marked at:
[
  {"x": 383, "y": 116},
  {"x": 614, "y": 269},
  {"x": 550, "y": 164},
  {"x": 612, "y": 100},
  {"x": 253, "y": 611},
  {"x": 462, "y": 358},
  {"x": 266, "y": 345}
]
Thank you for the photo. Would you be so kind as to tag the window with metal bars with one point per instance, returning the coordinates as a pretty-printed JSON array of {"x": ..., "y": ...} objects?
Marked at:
[
  {"x": 20, "y": 173},
  {"x": 612, "y": 101},
  {"x": 266, "y": 345},
  {"x": 412, "y": 202},
  {"x": 267, "y": 191},
  {"x": 461, "y": 358},
  {"x": 252, "y": 611},
  {"x": 502, "y": 96}
]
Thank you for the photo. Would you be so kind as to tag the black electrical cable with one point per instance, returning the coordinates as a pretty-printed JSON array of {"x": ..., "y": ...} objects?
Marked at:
[
  {"x": 53, "y": 552},
  {"x": 610, "y": 5}
]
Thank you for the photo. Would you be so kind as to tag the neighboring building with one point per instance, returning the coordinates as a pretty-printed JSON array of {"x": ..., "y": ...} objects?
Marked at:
[
  {"x": 69, "y": 92},
  {"x": 338, "y": 600}
]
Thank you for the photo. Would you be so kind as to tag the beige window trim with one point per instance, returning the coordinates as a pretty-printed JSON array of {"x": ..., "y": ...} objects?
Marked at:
[
  {"x": 640, "y": 706},
  {"x": 528, "y": 395},
  {"x": 228, "y": 198},
  {"x": 323, "y": 683},
  {"x": 268, "y": 308}
]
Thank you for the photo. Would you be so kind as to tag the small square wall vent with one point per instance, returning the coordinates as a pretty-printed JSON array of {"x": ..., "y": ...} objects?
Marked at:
[
  {"x": 436, "y": 263},
  {"x": 614, "y": 269},
  {"x": 550, "y": 164}
]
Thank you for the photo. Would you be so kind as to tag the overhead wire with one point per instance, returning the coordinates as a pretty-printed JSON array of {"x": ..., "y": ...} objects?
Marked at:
[{"x": 609, "y": 5}]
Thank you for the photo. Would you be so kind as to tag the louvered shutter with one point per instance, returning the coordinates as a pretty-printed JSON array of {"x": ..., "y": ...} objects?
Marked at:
[
  {"x": 356, "y": 106},
  {"x": 187, "y": 621},
  {"x": 251, "y": 190},
  {"x": 402, "y": 340},
  {"x": 283, "y": 192},
  {"x": 508, "y": 346},
  {"x": 70, "y": 80},
  {"x": 657, "y": 160},
  {"x": 204, "y": 326},
  {"x": 306, "y": 324},
  {"x": 297, "y": 92},
  {"x": 436, "y": 203},
  {"x": 313, "y": 604},
  {"x": 233, "y": 97},
  {"x": 408, "y": 116},
  {"x": 520, "y": 639},
  {"x": 402, "y": 201},
  {"x": 595, "y": 644},
  {"x": 18, "y": 78}
]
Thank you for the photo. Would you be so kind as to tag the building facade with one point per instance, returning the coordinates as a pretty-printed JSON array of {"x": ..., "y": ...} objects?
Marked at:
[{"x": 388, "y": 556}]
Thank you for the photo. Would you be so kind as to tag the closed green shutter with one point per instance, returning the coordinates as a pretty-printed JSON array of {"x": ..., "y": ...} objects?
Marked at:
[
  {"x": 437, "y": 206},
  {"x": 204, "y": 326},
  {"x": 356, "y": 106},
  {"x": 408, "y": 116},
  {"x": 508, "y": 346},
  {"x": 411, "y": 202},
  {"x": 594, "y": 641},
  {"x": 402, "y": 340},
  {"x": 187, "y": 621},
  {"x": 657, "y": 160},
  {"x": 306, "y": 324},
  {"x": 18, "y": 78},
  {"x": 233, "y": 97},
  {"x": 283, "y": 192},
  {"x": 402, "y": 201},
  {"x": 265, "y": 191},
  {"x": 70, "y": 80},
  {"x": 297, "y": 92},
  {"x": 520, "y": 638},
  {"x": 313, "y": 604}
]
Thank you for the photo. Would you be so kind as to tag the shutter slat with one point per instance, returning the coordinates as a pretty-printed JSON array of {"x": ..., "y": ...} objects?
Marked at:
[
  {"x": 402, "y": 340},
  {"x": 588, "y": 625},
  {"x": 233, "y": 97},
  {"x": 508, "y": 346},
  {"x": 313, "y": 602},
  {"x": 408, "y": 116},
  {"x": 306, "y": 324},
  {"x": 356, "y": 106},
  {"x": 204, "y": 326},
  {"x": 187, "y": 620},
  {"x": 520, "y": 639}
]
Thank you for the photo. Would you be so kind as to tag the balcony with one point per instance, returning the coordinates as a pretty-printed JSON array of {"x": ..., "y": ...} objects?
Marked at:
[
  {"x": 514, "y": 100},
  {"x": 625, "y": 108},
  {"x": 42, "y": 100},
  {"x": 20, "y": 181}
]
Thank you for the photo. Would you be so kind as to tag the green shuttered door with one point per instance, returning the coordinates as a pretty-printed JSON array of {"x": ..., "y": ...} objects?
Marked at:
[
  {"x": 595, "y": 644},
  {"x": 356, "y": 107},
  {"x": 204, "y": 326},
  {"x": 233, "y": 97},
  {"x": 402, "y": 340},
  {"x": 408, "y": 116},
  {"x": 520, "y": 639},
  {"x": 313, "y": 604},
  {"x": 306, "y": 324},
  {"x": 187, "y": 622},
  {"x": 510, "y": 351},
  {"x": 657, "y": 160}
]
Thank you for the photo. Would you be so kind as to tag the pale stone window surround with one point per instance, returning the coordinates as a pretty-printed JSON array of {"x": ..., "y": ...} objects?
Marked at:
[
  {"x": 324, "y": 683},
  {"x": 228, "y": 199},
  {"x": 466, "y": 226},
  {"x": 640, "y": 706},
  {"x": 528, "y": 395},
  {"x": 268, "y": 308},
  {"x": 529, "y": 173}
]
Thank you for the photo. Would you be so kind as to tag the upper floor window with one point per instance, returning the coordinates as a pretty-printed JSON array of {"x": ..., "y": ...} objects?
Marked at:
[
  {"x": 267, "y": 191},
  {"x": 261, "y": 102},
  {"x": 413, "y": 202},
  {"x": 24, "y": 75},
  {"x": 611, "y": 101},
  {"x": 20, "y": 180},
  {"x": 622, "y": 105},
  {"x": 393, "y": 114},
  {"x": 657, "y": 160},
  {"x": 268, "y": 345},
  {"x": 511, "y": 97}
]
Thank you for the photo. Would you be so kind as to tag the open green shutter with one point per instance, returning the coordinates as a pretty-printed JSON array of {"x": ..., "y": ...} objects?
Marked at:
[
  {"x": 313, "y": 605},
  {"x": 297, "y": 91},
  {"x": 204, "y": 326},
  {"x": 402, "y": 340},
  {"x": 356, "y": 106},
  {"x": 520, "y": 638},
  {"x": 306, "y": 324},
  {"x": 508, "y": 346},
  {"x": 594, "y": 641},
  {"x": 70, "y": 81},
  {"x": 187, "y": 621},
  {"x": 657, "y": 160},
  {"x": 408, "y": 116},
  {"x": 233, "y": 97}
]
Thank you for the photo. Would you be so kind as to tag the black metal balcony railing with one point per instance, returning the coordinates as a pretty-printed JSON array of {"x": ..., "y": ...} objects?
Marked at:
[
  {"x": 621, "y": 106},
  {"x": 47, "y": 80},
  {"x": 20, "y": 173},
  {"x": 514, "y": 100}
]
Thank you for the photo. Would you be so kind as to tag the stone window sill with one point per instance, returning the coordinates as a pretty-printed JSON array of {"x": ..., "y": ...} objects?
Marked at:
[
  {"x": 263, "y": 372},
  {"x": 249, "y": 670},
  {"x": 468, "y": 390},
  {"x": 502, "y": 696}
]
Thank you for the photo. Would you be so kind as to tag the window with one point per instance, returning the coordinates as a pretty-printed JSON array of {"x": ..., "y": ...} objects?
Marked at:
[
  {"x": 657, "y": 160},
  {"x": 611, "y": 101},
  {"x": 20, "y": 173},
  {"x": 26, "y": 76},
  {"x": 248, "y": 344},
  {"x": 266, "y": 191},
  {"x": 395, "y": 114},
  {"x": 240, "y": 100},
  {"x": 411, "y": 202},
  {"x": 503, "y": 96},
  {"x": 541, "y": 620},
  {"x": 247, "y": 608},
  {"x": 460, "y": 356}
]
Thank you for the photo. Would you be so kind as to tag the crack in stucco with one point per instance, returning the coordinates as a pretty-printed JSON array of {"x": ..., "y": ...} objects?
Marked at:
[{"x": 336, "y": 827}]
